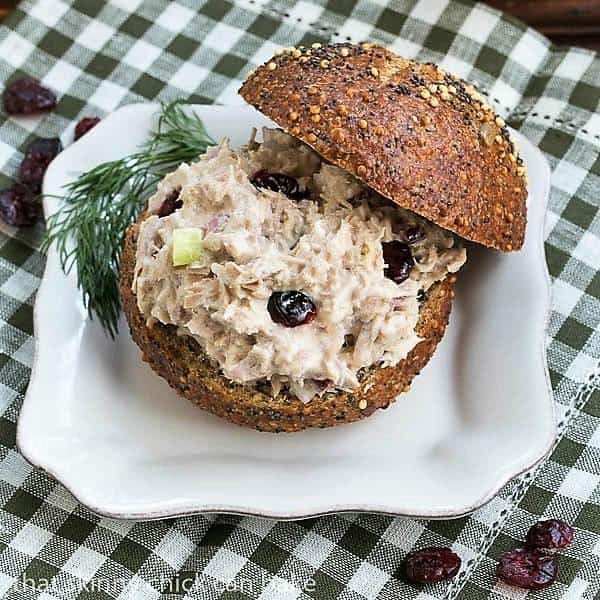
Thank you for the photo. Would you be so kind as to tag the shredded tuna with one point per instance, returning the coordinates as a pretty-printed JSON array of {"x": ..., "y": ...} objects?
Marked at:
[{"x": 256, "y": 241}]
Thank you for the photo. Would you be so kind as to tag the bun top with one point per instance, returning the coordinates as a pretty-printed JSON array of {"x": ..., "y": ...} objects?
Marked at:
[{"x": 417, "y": 135}]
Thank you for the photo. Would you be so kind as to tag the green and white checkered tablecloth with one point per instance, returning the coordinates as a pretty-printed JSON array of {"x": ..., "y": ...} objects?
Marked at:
[{"x": 101, "y": 55}]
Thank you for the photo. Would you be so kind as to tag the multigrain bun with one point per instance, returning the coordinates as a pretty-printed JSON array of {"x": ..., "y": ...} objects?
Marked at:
[
  {"x": 180, "y": 361},
  {"x": 418, "y": 136}
]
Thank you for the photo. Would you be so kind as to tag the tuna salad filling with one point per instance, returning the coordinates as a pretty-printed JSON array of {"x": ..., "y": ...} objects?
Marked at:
[{"x": 285, "y": 268}]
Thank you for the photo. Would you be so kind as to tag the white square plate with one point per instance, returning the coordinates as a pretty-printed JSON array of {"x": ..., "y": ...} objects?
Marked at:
[{"x": 101, "y": 422}]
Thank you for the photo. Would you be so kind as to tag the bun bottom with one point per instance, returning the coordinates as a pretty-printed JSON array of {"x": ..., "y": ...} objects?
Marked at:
[{"x": 181, "y": 362}]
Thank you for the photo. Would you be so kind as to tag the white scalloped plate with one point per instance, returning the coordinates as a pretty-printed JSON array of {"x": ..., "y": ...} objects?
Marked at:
[{"x": 102, "y": 423}]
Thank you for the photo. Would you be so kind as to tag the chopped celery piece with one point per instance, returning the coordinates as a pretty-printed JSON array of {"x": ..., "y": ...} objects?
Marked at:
[{"x": 187, "y": 246}]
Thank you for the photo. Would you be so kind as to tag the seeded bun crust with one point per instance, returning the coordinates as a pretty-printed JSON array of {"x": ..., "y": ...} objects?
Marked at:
[
  {"x": 420, "y": 137},
  {"x": 180, "y": 360}
]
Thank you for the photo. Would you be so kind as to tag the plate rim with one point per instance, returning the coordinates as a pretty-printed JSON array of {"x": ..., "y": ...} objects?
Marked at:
[{"x": 197, "y": 508}]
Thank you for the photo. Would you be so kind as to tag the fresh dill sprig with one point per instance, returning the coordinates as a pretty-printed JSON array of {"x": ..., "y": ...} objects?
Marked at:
[{"x": 101, "y": 203}]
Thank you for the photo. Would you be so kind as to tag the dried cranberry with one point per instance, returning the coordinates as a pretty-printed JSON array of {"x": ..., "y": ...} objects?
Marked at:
[
  {"x": 278, "y": 182},
  {"x": 322, "y": 384},
  {"x": 550, "y": 535},
  {"x": 431, "y": 565},
  {"x": 291, "y": 308},
  {"x": 84, "y": 126},
  {"x": 26, "y": 95},
  {"x": 529, "y": 569},
  {"x": 399, "y": 260},
  {"x": 38, "y": 156},
  {"x": 413, "y": 235},
  {"x": 18, "y": 206},
  {"x": 171, "y": 203}
]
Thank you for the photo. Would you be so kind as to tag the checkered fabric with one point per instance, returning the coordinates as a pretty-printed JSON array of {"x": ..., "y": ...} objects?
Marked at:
[{"x": 99, "y": 55}]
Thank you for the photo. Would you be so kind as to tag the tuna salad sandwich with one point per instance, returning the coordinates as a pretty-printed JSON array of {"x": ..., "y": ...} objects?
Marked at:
[{"x": 304, "y": 279}]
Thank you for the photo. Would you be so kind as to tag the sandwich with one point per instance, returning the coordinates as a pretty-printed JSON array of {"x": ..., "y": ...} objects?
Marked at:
[{"x": 304, "y": 279}]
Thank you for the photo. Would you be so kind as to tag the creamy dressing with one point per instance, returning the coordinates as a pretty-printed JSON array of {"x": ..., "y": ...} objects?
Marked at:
[{"x": 256, "y": 241}]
